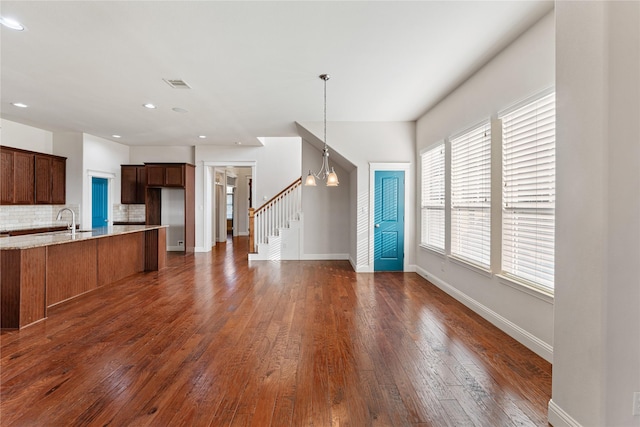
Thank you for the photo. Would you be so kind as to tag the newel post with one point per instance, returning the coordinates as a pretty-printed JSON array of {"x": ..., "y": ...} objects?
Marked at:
[{"x": 251, "y": 231}]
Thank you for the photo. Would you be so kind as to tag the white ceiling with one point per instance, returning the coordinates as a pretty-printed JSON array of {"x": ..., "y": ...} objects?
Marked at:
[{"x": 88, "y": 66}]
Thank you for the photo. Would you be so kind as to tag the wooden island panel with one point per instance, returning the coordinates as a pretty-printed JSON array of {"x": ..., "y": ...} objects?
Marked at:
[
  {"x": 23, "y": 279},
  {"x": 71, "y": 270},
  {"x": 155, "y": 249},
  {"x": 120, "y": 256},
  {"x": 42, "y": 270}
]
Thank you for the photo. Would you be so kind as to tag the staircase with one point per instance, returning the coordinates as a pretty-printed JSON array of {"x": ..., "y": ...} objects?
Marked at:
[{"x": 274, "y": 228}]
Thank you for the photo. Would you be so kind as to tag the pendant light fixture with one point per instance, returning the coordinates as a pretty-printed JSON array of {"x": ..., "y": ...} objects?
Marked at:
[{"x": 324, "y": 172}]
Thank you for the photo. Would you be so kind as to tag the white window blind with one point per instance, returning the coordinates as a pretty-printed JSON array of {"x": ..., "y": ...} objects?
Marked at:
[
  {"x": 528, "y": 206},
  {"x": 471, "y": 196},
  {"x": 433, "y": 198}
]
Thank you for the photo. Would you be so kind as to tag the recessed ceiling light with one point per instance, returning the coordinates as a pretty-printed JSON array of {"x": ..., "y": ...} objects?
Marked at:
[
  {"x": 149, "y": 106},
  {"x": 12, "y": 23},
  {"x": 202, "y": 136},
  {"x": 116, "y": 136},
  {"x": 238, "y": 143},
  {"x": 180, "y": 110},
  {"x": 19, "y": 104}
]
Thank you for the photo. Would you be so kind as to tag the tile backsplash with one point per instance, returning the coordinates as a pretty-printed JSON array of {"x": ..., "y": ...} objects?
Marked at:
[
  {"x": 34, "y": 216},
  {"x": 128, "y": 213}
]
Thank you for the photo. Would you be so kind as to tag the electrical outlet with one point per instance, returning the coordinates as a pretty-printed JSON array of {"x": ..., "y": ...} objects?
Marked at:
[
  {"x": 180, "y": 243},
  {"x": 636, "y": 403}
]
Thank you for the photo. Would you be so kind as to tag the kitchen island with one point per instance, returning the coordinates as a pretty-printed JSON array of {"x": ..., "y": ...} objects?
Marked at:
[{"x": 42, "y": 270}]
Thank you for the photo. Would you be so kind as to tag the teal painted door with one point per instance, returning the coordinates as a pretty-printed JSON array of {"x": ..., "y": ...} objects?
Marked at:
[
  {"x": 389, "y": 221},
  {"x": 99, "y": 202}
]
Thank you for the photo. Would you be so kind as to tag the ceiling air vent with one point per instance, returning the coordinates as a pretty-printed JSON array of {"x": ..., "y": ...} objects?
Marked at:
[{"x": 177, "y": 83}]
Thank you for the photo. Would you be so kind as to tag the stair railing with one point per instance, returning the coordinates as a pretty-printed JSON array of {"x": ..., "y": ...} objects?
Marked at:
[{"x": 274, "y": 214}]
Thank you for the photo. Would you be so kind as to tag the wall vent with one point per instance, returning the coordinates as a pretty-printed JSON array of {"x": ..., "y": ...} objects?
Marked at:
[{"x": 177, "y": 83}]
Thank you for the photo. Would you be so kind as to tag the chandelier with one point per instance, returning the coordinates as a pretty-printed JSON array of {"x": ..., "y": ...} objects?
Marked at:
[{"x": 324, "y": 172}]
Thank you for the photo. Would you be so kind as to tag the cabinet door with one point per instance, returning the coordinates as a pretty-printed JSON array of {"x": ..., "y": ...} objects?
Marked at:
[
  {"x": 155, "y": 175},
  {"x": 24, "y": 178},
  {"x": 141, "y": 184},
  {"x": 174, "y": 176},
  {"x": 58, "y": 181},
  {"x": 128, "y": 184},
  {"x": 43, "y": 179},
  {"x": 6, "y": 180}
]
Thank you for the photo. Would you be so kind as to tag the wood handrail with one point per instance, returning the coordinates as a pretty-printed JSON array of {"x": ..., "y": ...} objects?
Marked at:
[{"x": 289, "y": 187}]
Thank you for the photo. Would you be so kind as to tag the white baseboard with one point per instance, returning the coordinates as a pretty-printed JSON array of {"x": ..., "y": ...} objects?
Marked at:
[
  {"x": 524, "y": 337},
  {"x": 324, "y": 257},
  {"x": 411, "y": 268},
  {"x": 243, "y": 233},
  {"x": 559, "y": 418},
  {"x": 175, "y": 248}
]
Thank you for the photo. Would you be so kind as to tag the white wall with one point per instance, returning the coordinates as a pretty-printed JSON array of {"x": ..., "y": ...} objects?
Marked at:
[
  {"x": 597, "y": 302},
  {"x": 17, "y": 135},
  {"x": 241, "y": 214},
  {"x": 277, "y": 164},
  {"x": 101, "y": 158},
  {"x": 172, "y": 214},
  {"x": 70, "y": 145},
  {"x": 161, "y": 154},
  {"x": 524, "y": 68},
  {"x": 326, "y": 211},
  {"x": 362, "y": 143}
]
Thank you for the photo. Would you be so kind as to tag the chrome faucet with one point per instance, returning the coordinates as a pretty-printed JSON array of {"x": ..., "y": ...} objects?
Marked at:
[{"x": 72, "y": 226}]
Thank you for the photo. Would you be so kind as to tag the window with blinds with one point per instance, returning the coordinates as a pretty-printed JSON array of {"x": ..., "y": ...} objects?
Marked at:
[
  {"x": 528, "y": 201},
  {"x": 433, "y": 198},
  {"x": 471, "y": 196}
]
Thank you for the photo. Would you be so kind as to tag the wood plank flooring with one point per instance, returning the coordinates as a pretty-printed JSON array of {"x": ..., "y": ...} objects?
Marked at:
[{"x": 214, "y": 340}]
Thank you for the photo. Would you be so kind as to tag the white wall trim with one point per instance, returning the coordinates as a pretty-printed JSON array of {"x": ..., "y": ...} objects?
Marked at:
[
  {"x": 557, "y": 417},
  {"x": 373, "y": 168},
  {"x": 208, "y": 176},
  {"x": 201, "y": 249},
  {"x": 324, "y": 257},
  {"x": 85, "y": 222},
  {"x": 524, "y": 337}
]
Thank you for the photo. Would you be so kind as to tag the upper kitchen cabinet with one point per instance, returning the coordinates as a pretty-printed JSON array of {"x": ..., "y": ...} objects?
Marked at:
[
  {"x": 50, "y": 179},
  {"x": 29, "y": 178},
  {"x": 133, "y": 184},
  {"x": 165, "y": 174}
]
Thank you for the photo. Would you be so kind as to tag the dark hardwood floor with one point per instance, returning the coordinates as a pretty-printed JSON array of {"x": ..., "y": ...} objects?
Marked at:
[{"x": 213, "y": 340}]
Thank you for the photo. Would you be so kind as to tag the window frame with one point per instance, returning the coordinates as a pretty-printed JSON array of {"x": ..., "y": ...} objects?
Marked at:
[
  {"x": 531, "y": 216},
  {"x": 427, "y": 201},
  {"x": 467, "y": 211}
]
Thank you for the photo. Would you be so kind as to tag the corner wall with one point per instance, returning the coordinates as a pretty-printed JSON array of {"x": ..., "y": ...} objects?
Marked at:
[
  {"x": 597, "y": 309},
  {"x": 326, "y": 211}
]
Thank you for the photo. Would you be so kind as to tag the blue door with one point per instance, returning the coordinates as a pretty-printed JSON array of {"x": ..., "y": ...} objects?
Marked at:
[
  {"x": 99, "y": 202},
  {"x": 389, "y": 221}
]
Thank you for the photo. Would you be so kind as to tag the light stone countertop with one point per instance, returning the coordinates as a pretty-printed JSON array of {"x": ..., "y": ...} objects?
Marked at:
[{"x": 61, "y": 237}]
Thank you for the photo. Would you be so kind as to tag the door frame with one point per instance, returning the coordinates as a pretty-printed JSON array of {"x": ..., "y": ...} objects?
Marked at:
[
  {"x": 373, "y": 168},
  {"x": 209, "y": 204},
  {"x": 106, "y": 206},
  {"x": 86, "y": 208}
]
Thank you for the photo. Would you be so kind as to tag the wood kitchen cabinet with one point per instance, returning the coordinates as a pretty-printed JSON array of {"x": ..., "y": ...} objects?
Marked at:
[
  {"x": 174, "y": 175},
  {"x": 58, "y": 180},
  {"x": 32, "y": 178},
  {"x": 166, "y": 175},
  {"x": 17, "y": 177},
  {"x": 133, "y": 184},
  {"x": 50, "y": 179}
]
